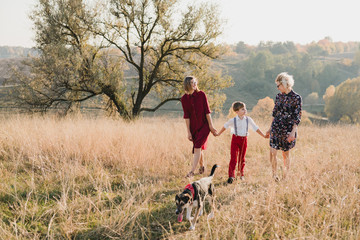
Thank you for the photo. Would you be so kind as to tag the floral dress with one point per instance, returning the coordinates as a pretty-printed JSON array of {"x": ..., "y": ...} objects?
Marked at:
[{"x": 286, "y": 113}]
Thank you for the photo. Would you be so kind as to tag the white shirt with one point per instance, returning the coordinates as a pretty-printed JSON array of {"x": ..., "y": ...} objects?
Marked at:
[{"x": 241, "y": 125}]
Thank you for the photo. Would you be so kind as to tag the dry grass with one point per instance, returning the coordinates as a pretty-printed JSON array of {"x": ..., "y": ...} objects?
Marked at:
[{"x": 105, "y": 179}]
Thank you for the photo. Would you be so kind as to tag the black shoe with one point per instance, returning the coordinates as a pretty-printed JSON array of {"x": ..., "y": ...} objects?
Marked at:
[{"x": 230, "y": 180}]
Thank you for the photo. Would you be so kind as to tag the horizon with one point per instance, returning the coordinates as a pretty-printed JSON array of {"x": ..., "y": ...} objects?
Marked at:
[{"x": 234, "y": 44}]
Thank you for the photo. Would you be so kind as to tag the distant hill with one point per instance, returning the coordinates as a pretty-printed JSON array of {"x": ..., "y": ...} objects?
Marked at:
[
  {"x": 5, "y": 67},
  {"x": 10, "y": 57},
  {"x": 15, "y": 52},
  {"x": 253, "y": 69}
]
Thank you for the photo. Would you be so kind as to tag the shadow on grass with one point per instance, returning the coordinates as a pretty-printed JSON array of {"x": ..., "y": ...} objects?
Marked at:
[
  {"x": 160, "y": 222},
  {"x": 157, "y": 221}
]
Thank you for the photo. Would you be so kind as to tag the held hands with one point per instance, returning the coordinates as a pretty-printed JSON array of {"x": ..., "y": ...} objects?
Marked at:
[
  {"x": 214, "y": 131},
  {"x": 267, "y": 134},
  {"x": 220, "y": 132}
]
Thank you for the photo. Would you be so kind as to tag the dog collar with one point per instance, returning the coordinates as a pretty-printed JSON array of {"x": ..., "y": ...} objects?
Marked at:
[{"x": 191, "y": 188}]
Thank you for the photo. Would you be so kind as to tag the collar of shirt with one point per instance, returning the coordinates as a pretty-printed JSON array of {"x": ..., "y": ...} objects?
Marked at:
[{"x": 238, "y": 118}]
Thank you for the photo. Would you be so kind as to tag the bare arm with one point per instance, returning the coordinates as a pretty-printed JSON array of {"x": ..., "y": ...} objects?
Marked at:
[
  {"x": 212, "y": 129},
  {"x": 260, "y": 133},
  {"x": 267, "y": 134},
  {"x": 221, "y": 131},
  {"x": 187, "y": 121}
]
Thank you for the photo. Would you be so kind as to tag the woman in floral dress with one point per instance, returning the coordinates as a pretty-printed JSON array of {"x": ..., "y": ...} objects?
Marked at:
[{"x": 286, "y": 118}]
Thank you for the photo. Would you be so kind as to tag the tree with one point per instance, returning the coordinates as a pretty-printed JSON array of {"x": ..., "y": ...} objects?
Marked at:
[
  {"x": 344, "y": 104},
  {"x": 241, "y": 47},
  {"x": 263, "y": 109},
  {"x": 330, "y": 91},
  {"x": 357, "y": 60},
  {"x": 258, "y": 64},
  {"x": 312, "y": 98},
  {"x": 155, "y": 43},
  {"x": 316, "y": 50},
  {"x": 69, "y": 69}
]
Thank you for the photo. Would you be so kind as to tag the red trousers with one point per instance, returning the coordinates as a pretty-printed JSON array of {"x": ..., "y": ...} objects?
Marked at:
[{"x": 237, "y": 151}]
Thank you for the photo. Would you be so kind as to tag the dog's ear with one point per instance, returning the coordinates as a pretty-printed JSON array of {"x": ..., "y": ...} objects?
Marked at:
[{"x": 177, "y": 198}]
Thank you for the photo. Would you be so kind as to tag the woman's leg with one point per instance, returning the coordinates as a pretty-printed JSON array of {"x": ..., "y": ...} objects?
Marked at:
[
  {"x": 273, "y": 162},
  {"x": 196, "y": 158},
  {"x": 201, "y": 162},
  {"x": 286, "y": 156}
]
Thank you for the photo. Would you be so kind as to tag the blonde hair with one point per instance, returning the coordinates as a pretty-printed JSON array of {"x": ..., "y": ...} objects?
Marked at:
[
  {"x": 285, "y": 79},
  {"x": 236, "y": 106},
  {"x": 187, "y": 83}
]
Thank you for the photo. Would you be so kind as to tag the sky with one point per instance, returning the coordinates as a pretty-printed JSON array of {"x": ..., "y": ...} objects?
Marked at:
[{"x": 249, "y": 21}]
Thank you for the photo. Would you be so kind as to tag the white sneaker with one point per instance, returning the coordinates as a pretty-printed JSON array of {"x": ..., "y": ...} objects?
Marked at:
[{"x": 242, "y": 178}]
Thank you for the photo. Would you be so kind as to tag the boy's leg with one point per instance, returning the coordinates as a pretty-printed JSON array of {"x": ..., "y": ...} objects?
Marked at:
[
  {"x": 234, "y": 151},
  {"x": 243, "y": 148}
]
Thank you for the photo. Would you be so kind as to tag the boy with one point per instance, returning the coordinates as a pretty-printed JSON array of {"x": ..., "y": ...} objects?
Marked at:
[{"x": 240, "y": 125}]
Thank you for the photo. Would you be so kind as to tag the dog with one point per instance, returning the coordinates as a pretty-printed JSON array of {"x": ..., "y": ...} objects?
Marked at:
[{"x": 194, "y": 196}]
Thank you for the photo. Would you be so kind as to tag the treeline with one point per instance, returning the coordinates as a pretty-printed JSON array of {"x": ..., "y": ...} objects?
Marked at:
[
  {"x": 315, "y": 67},
  {"x": 16, "y": 52}
]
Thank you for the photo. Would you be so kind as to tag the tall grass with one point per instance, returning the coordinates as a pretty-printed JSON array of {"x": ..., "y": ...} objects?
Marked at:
[{"x": 79, "y": 178}]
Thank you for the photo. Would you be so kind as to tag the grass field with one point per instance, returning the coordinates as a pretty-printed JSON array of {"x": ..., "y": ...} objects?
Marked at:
[{"x": 78, "y": 178}]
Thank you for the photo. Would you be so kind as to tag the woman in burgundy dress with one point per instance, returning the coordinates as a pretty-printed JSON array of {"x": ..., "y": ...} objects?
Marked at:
[
  {"x": 286, "y": 118},
  {"x": 198, "y": 121}
]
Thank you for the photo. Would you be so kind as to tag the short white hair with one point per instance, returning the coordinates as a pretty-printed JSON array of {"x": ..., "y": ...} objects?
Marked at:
[{"x": 285, "y": 79}]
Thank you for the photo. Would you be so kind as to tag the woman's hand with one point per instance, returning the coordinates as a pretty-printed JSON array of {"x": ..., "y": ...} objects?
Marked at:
[
  {"x": 216, "y": 134},
  {"x": 267, "y": 134},
  {"x": 213, "y": 131},
  {"x": 189, "y": 136},
  {"x": 291, "y": 136}
]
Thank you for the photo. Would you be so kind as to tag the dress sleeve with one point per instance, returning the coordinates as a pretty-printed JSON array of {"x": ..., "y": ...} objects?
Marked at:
[
  {"x": 206, "y": 105},
  {"x": 275, "y": 106},
  {"x": 185, "y": 108},
  {"x": 296, "y": 115}
]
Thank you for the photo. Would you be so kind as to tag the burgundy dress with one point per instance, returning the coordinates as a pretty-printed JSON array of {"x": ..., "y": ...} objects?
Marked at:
[{"x": 195, "y": 107}]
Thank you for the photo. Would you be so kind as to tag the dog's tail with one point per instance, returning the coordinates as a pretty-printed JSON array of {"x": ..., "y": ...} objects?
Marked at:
[{"x": 213, "y": 170}]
